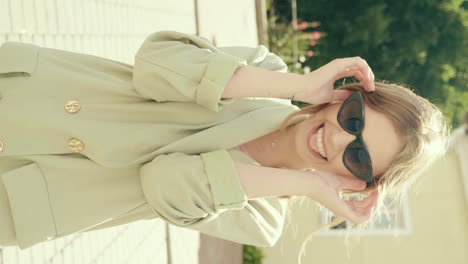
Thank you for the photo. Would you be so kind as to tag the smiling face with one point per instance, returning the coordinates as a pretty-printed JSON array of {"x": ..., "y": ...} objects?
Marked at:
[{"x": 331, "y": 140}]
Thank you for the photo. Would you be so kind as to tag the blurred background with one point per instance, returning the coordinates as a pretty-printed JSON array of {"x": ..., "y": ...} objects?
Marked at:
[{"x": 421, "y": 44}]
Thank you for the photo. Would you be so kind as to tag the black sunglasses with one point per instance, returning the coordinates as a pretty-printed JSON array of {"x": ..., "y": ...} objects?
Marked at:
[{"x": 356, "y": 156}]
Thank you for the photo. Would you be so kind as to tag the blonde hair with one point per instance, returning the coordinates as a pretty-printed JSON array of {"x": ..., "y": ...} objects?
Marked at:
[{"x": 420, "y": 125}]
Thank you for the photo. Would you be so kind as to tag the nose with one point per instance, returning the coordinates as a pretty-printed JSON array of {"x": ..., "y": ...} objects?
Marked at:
[{"x": 341, "y": 140}]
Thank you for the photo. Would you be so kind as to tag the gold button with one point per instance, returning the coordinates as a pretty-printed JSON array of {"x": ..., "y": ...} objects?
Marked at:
[
  {"x": 75, "y": 145},
  {"x": 1, "y": 146},
  {"x": 72, "y": 106}
]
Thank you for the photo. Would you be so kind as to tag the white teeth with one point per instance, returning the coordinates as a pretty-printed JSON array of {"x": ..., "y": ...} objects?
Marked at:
[{"x": 320, "y": 142}]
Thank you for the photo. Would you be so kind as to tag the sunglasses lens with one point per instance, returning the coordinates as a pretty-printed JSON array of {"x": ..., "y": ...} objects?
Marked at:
[
  {"x": 357, "y": 159},
  {"x": 351, "y": 117}
]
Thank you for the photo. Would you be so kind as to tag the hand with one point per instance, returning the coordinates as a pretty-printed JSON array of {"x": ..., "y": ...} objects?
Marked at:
[
  {"x": 326, "y": 188},
  {"x": 318, "y": 86}
]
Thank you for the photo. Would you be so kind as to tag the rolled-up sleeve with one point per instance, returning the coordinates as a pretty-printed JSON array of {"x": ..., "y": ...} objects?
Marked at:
[
  {"x": 258, "y": 56},
  {"x": 173, "y": 66},
  {"x": 203, "y": 192}
]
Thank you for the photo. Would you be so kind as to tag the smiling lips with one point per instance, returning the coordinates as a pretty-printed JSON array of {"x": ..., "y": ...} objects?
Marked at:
[
  {"x": 315, "y": 143},
  {"x": 320, "y": 139}
]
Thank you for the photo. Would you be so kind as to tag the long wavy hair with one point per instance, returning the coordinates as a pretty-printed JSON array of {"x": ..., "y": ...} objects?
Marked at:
[{"x": 420, "y": 125}]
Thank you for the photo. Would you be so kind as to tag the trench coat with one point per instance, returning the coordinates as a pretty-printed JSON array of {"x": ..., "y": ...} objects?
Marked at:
[{"x": 88, "y": 143}]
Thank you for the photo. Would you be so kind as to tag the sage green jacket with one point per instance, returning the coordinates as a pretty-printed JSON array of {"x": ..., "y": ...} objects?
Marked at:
[{"x": 89, "y": 143}]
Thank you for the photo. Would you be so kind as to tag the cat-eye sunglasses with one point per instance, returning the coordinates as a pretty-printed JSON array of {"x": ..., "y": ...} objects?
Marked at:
[{"x": 351, "y": 118}]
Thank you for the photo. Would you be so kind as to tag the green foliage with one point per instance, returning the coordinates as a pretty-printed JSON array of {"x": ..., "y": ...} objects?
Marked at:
[
  {"x": 252, "y": 255},
  {"x": 422, "y": 44},
  {"x": 281, "y": 40}
]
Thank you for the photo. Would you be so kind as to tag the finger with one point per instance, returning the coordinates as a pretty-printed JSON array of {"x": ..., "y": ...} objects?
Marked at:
[
  {"x": 363, "y": 214},
  {"x": 370, "y": 204},
  {"x": 359, "y": 75},
  {"x": 358, "y": 215},
  {"x": 352, "y": 184},
  {"x": 364, "y": 207},
  {"x": 347, "y": 73},
  {"x": 344, "y": 208},
  {"x": 366, "y": 202},
  {"x": 375, "y": 199},
  {"x": 368, "y": 85},
  {"x": 341, "y": 95},
  {"x": 353, "y": 213},
  {"x": 357, "y": 63}
]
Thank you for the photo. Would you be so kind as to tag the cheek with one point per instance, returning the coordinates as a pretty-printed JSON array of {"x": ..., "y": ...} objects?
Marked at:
[{"x": 337, "y": 166}]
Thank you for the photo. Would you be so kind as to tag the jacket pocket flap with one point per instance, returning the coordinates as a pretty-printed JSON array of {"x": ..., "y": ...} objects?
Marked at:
[
  {"x": 18, "y": 58},
  {"x": 29, "y": 201}
]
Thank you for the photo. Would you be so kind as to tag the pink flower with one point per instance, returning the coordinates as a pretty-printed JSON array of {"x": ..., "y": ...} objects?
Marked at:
[
  {"x": 310, "y": 53},
  {"x": 316, "y": 34},
  {"x": 312, "y": 42},
  {"x": 314, "y": 24},
  {"x": 294, "y": 22},
  {"x": 303, "y": 25}
]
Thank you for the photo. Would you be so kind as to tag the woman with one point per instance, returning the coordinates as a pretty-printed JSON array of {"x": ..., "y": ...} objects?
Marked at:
[{"x": 85, "y": 146}]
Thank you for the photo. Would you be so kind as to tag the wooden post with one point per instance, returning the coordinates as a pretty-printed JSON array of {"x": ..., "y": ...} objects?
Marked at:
[{"x": 262, "y": 24}]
